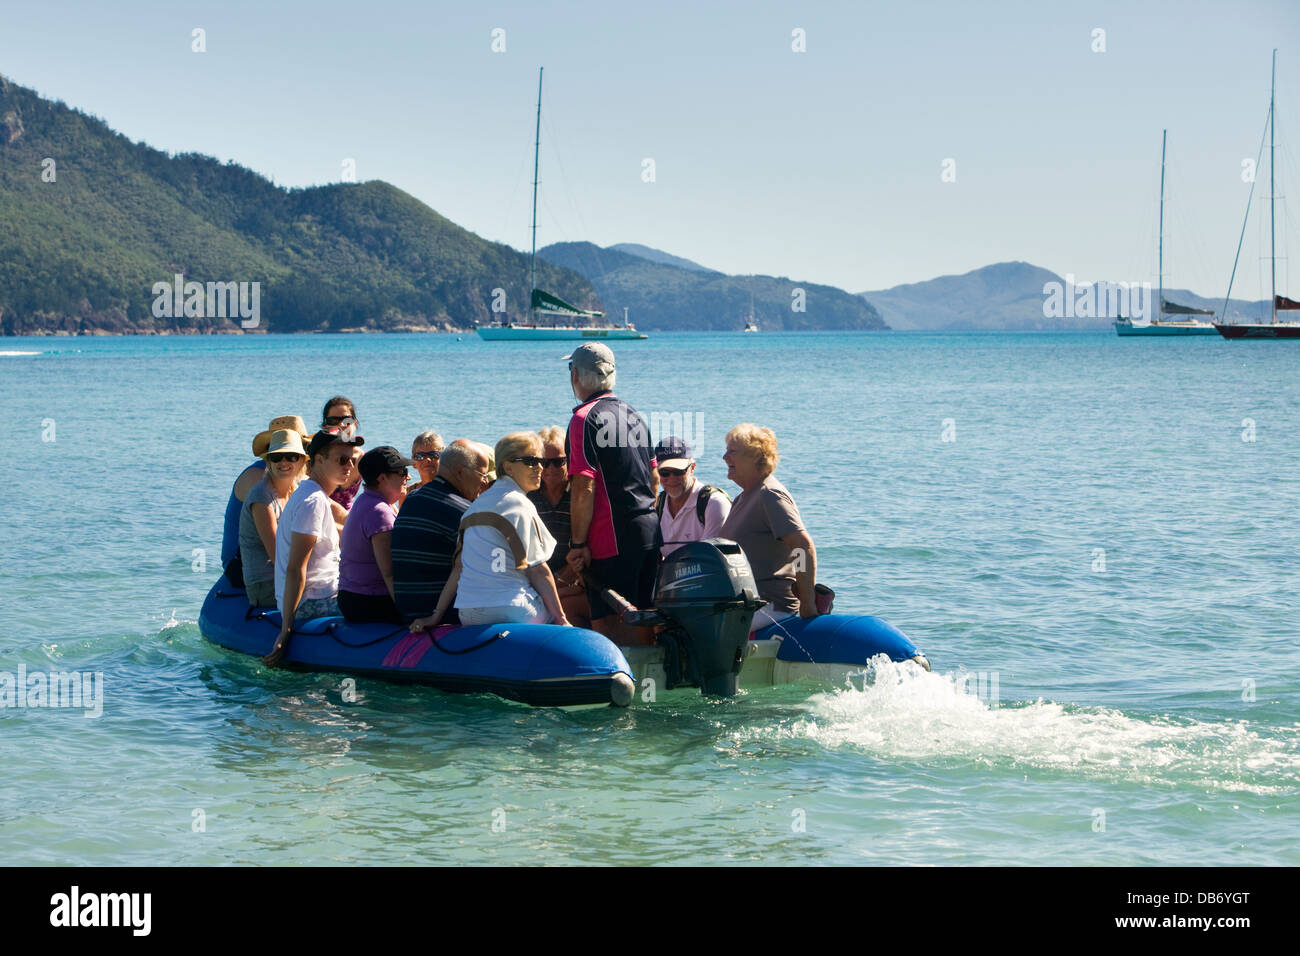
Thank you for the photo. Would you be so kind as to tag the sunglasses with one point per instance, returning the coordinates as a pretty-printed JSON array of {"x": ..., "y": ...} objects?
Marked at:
[
  {"x": 344, "y": 462},
  {"x": 555, "y": 462},
  {"x": 427, "y": 455},
  {"x": 339, "y": 420},
  {"x": 672, "y": 472},
  {"x": 278, "y": 456},
  {"x": 532, "y": 461}
]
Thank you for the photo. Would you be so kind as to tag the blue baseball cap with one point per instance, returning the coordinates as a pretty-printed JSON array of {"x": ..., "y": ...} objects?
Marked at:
[{"x": 672, "y": 452}]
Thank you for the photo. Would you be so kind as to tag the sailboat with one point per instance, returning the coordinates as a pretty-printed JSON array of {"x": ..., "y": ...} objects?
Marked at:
[
  {"x": 544, "y": 303},
  {"x": 1277, "y": 328},
  {"x": 1160, "y": 325},
  {"x": 751, "y": 323}
]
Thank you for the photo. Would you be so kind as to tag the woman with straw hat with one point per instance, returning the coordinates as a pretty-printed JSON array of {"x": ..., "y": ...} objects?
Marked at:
[
  {"x": 285, "y": 460},
  {"x": 230, "y": 561}
]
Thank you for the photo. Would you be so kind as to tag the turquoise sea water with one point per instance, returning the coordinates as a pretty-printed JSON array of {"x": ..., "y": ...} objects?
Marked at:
[{"x": 1101, "y": 562}]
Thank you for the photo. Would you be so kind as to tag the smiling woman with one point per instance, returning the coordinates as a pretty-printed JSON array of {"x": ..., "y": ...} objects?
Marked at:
[
  {"x": 286, "y": 461},
  {"x": 766, "y": 523}
]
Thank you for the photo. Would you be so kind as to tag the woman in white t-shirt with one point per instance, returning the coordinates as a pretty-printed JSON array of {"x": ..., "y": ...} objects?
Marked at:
[
  {"x": 307, "y": 539},
  {"x": 501, "y": 573}
]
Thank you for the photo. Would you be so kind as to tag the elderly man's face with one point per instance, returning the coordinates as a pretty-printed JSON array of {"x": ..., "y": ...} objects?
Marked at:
[
  {"x": 473, "y": 480},
  {"x": 675, "y": 484}
]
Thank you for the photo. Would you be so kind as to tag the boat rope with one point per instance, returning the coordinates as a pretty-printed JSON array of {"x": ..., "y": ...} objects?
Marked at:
[
  {"x": 382, "y": 637},
  {"x": 481, "y": 644},
  {"x": 255, "y": 614}
]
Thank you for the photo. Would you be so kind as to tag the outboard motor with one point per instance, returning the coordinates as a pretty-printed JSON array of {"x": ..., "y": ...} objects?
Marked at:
[{"x": 707, "y": 597}]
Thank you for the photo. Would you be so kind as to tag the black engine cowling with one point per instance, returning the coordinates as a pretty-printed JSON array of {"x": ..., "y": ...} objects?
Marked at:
[{"x": 707, "y": 594}]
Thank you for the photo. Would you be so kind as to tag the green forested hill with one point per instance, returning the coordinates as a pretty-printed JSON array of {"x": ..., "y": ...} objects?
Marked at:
[{"x": 84, "y": 239}]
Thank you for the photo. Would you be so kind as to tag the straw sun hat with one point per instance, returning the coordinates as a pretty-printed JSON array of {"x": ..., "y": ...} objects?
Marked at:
[{"x": 262, "y": 441}]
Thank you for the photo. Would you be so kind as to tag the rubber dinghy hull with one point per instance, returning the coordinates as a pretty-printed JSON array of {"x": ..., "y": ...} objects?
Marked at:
[
  {"x": 538, "y": 664},
  {"x": 831, "y": 649}
]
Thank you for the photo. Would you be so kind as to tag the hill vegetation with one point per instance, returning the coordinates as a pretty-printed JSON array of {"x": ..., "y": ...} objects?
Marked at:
[
  {"x": 92, "y": 221},
  {"x": 660, "y": 295}
]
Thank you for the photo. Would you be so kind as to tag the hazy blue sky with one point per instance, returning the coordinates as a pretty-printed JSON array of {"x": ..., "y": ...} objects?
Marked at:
[{"x": 822, "y": 165}]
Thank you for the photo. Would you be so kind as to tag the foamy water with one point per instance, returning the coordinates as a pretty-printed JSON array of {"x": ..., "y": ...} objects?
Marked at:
[{"x": 908, "y": 713}]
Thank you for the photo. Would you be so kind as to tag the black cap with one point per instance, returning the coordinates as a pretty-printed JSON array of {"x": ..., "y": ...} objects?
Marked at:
[
  {"x": 384, "y": 460},
  {"x": 331, "y": 436}
]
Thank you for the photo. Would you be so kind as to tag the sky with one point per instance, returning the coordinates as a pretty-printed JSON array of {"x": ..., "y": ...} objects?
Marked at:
[{"x": 861, "y": 144}]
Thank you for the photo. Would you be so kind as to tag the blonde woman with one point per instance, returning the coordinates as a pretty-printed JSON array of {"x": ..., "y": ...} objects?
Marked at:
[
  {"x": 501, "y": 573},
  {"x": 552, "y": 501},
  {"x": 286, "y": 463},
  {"x": 765, "y": 522}
]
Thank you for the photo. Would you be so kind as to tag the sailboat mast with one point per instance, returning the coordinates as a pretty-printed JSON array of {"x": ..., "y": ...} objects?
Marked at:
[
  {"x": 1160, "y": 307},
  {"x": 537, "y": 148},
  {"x": 1272, "y": 194}
]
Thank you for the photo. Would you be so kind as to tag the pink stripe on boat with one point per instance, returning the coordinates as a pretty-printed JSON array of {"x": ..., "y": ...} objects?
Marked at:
[
  {"x": 398, "y": 650},
  {"x": 416, "y": 651}
]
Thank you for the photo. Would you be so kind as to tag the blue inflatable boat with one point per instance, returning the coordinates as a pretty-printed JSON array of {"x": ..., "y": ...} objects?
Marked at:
[
  {"x": 705, "y": 605},
  {"x": 543, "y": 665}
]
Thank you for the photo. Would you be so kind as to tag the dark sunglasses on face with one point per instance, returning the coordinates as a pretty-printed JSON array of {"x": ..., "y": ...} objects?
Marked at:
[
  {"x": 427, "y": 455},
  {"x": 278, "y": 456},
  {"x": 671, "y": 472},
  {"x": 532, "y": 461},
  {"x": 555, "y": 462},
  {"x": 345, "y": 462},
  {"x": 341, "y": 420}
]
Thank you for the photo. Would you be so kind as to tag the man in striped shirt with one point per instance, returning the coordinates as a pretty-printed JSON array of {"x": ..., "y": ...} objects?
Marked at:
[{"x": 424, "y": 537}]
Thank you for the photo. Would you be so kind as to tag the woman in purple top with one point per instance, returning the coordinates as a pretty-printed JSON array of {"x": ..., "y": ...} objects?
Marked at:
[{"x": 366, "y": 545}]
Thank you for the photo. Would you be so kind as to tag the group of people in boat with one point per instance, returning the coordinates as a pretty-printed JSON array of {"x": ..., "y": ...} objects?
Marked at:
[{"x": 535, "y": 529}]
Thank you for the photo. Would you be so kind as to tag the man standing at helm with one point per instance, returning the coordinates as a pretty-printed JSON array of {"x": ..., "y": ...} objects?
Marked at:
[{"x": 614, "y": 530}]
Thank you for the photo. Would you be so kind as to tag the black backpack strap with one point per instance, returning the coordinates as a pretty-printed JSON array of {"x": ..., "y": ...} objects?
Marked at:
[
  {"x": 659, "y": 503},
  {"x": 701, "y": 502}
]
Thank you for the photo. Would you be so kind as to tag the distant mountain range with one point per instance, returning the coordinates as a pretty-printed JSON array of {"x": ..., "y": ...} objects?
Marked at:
[
  {"x": 661, "y": 291},
  {"x": 657, "y": 255},
  {"x": 94, "y": 225},
  {"x": 1010, "y": 296}
]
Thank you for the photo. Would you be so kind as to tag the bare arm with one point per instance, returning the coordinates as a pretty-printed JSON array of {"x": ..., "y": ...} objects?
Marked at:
[
  {"x": 539, "y": 576},
  {"x": 265, "y": 523},
  {"x": 582, "y": 497},
  {"x": 803, "y": 556},
  {"x": 294, "y": 584},
  {"x": 340, "y": 514},
  {"x": 246, "y": 480},
  {"x": 382, "y": 543},
  {"x": 654, "y": 482},
  {"x": 444, "y": 601}
]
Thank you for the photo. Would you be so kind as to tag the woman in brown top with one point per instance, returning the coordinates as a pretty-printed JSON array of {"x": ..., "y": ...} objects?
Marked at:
[{"x": 765, "y": 522}]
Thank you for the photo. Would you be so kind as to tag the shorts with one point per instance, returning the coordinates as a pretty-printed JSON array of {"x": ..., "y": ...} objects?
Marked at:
[
  {"x": 261, "y": 593},
  {"x": 361, "y": 608},
  {"x": 533, "y": 613},
  {"x": 632, "y": 575},
  {"x": 311, "y": 608}
]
